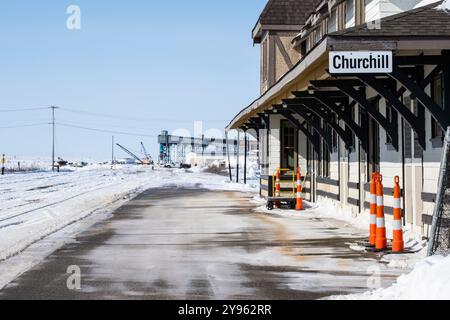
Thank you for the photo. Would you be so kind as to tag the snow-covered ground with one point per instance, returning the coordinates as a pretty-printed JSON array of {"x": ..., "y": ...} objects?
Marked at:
[
  {"x": 430, "y": 280},
  {"x": 36, "y": 205},
  {"x": 429, "y": 277},
  {"x": 326, "y": 208},
  {"x": 40, "y": 211}
]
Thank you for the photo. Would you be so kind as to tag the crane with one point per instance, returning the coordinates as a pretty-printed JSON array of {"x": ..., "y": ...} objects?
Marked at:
[
  {"x": 131, "y": 154},
  {"x": 149, "y": 158}
]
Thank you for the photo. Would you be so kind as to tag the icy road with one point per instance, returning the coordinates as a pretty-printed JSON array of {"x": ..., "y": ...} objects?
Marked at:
[{"x": 188, "y": 242}]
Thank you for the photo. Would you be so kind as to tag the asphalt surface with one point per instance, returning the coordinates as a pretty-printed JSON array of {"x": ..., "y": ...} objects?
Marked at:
[{"x": 196, "y": 244}]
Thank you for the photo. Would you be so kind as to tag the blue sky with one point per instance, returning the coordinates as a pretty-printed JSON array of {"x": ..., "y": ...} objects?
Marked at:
[{"x": 157, "y": 64}]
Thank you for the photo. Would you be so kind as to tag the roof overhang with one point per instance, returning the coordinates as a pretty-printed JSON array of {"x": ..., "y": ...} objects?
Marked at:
[
  {"x": 309, "y": 68},
  {"x": 387, "y": 43},
  {"x": 317, "y": 56}
]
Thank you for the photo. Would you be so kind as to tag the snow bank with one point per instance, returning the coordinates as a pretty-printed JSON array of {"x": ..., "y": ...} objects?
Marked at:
[
  {"x": 424, "y": 3},
  {"x": 445, "y": 6},
  {"x": 430, "y": 280}
]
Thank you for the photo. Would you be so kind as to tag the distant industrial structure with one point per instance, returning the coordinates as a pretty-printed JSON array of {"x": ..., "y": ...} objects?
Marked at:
[{"x": 201, "y": 151}]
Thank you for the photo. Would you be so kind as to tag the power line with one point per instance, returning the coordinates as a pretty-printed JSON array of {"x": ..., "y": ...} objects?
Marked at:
[
  {"x": 112, "y": 126},
  {"x": 26, "y": 126},
  {"x": 4, "y": 121},
  {"x": 79, "y": 127},
  {"x": 130, "y": 118},
  {"x": 104, "y": 115},
  {"x": 23, "y": 109},
  {"x": 106, "y": 131}
]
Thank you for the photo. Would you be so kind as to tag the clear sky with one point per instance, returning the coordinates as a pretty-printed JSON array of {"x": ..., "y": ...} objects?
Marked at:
[{"x": 156, "y": 64}]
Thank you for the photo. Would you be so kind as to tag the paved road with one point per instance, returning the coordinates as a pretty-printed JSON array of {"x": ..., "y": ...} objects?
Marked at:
[{"x": 197, "y": 244}]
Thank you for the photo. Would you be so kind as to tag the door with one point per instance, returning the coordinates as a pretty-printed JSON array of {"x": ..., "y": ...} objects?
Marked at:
[{"x": 288, "y": 145}]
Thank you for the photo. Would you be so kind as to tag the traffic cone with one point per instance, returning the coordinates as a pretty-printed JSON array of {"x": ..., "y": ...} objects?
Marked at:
[
  {"x": 373, "y": 210},
  {"x": 381, "y": 241},
  {"x": 278, "y": 188},
  {"x": 299, "y": 205},
  {"x": 397, "y": 243}
]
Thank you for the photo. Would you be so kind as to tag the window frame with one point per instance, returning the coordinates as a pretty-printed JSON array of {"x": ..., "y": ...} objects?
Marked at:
[
  {"x": 346, "y": 13},
  {"x": 436, "y": 133}
]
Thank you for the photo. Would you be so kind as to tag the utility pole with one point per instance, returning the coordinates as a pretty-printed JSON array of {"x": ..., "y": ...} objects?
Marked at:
[
  {"x": 53, "y": 136},
  {"x": 112, "y": 151}
]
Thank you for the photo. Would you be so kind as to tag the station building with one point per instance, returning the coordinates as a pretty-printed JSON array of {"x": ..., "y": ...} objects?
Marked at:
[{"x": 349, "y": 87}]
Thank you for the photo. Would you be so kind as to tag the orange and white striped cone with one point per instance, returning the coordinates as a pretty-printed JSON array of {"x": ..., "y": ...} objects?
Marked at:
[
  {"x": 278, "y": 188},
  {"x": 398, "y": 245},
  {"x": 373, "y": 210},
  {"x": 299, "y": 203},
  {"x": 381, "y": 241}
]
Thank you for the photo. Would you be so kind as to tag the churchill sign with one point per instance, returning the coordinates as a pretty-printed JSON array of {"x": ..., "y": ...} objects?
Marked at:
[{"x": 360, "y": 62}]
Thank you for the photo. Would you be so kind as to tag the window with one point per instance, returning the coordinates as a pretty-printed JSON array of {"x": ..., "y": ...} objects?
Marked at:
[
  {"x": 332, "y": 21},
  {"x": 303, "y": 48},
  {"x": 373, "y": 155},
  {"x": 437, "y": 94},
  {"x": 335, "y": 137},
  {"x": 325, "y": 160},
  {"x": 317, "y": 36},
  {"x": 418, "y": 152},
  {"x": 264, "y": 62},
  {"x": 353, "y": 117},
  {"x": 390, "y": 119},
  {"x": 349, "y": 13}
]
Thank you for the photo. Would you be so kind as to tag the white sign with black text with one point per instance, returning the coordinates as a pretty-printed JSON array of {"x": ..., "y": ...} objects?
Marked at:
[{"x": 349, "y": 62}]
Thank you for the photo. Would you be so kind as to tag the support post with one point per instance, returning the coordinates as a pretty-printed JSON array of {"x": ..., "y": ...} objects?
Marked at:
[
  {"x": 245, "y": 156},
  {"x": 228, "y": 156},
  {"x": 237, "y": 156}
]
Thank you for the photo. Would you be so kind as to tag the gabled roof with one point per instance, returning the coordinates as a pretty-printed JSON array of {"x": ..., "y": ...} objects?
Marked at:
[
  {"x": 427, "y": 21},
  {"x": 287, "y": 15},
  {"x": 287, "y": 12}
]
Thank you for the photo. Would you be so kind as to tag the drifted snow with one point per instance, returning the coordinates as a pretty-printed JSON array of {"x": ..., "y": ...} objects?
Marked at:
[
  {"x": 430, "y": 280},
  {"x": 445, "y": 6},
  {"x": 424, "y": 3}
]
